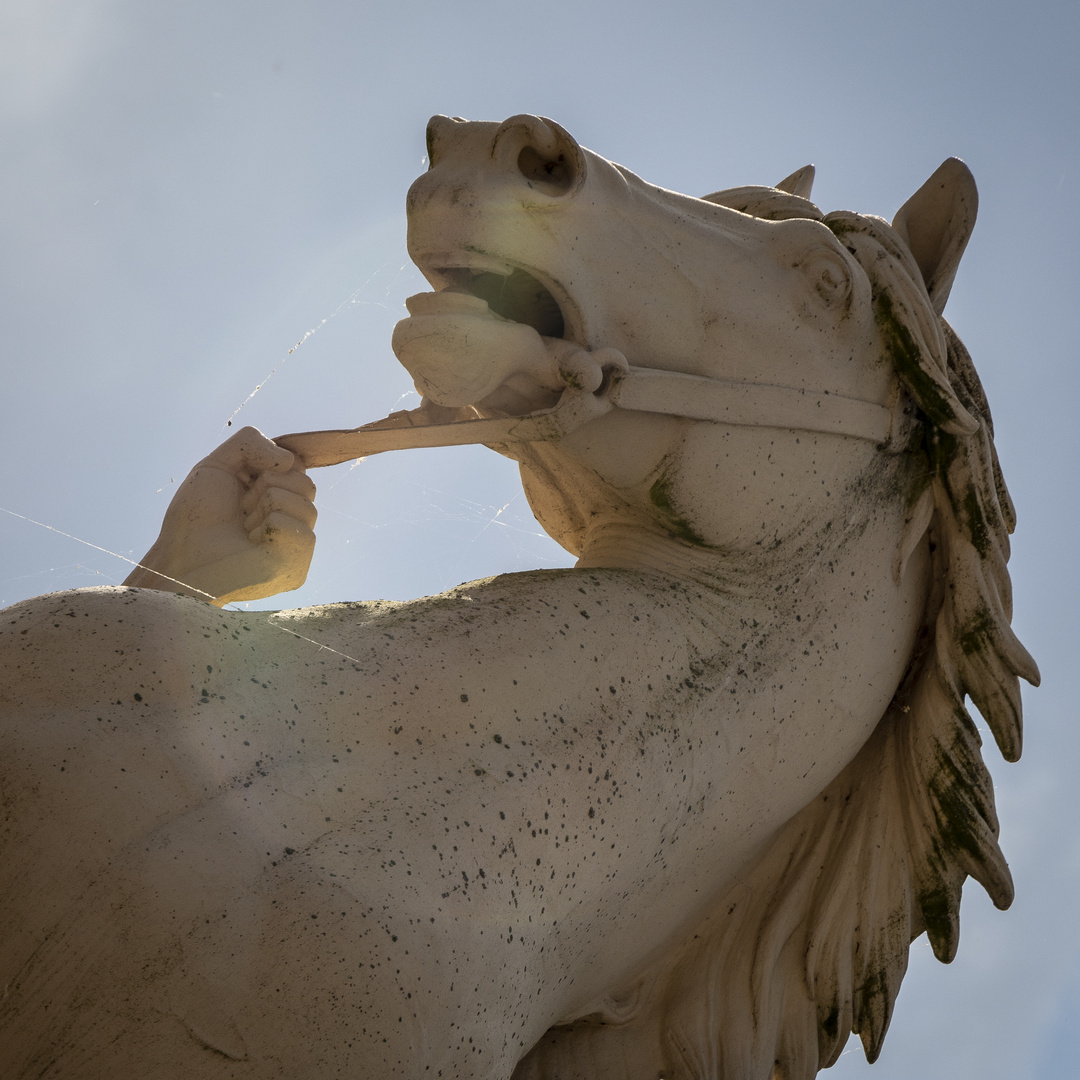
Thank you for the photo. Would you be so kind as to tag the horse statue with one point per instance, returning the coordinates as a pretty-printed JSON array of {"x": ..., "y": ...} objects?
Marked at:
[{"x": 677, "y": 812}]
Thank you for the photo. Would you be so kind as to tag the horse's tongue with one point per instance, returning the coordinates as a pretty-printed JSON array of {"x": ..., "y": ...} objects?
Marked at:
[{"x": 459, "y": 351}]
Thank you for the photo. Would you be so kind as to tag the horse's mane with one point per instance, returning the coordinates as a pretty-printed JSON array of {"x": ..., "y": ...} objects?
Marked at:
[{"x": 812, "y": 941}]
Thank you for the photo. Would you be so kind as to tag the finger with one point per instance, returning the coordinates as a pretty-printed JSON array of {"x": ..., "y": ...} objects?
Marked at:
[
  {"x": 281, "y": 501},
  {"x": 292, "y": 538},
  {"x": 297, "y": 482},
  {"x": 250, "y": 451}
]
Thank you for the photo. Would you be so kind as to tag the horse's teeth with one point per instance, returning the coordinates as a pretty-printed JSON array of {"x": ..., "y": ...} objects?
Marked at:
[{"x": 448, "y": 301}]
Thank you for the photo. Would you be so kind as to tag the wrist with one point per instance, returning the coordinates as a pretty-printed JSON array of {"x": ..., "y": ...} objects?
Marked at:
[{"x": 155, "y": 571}]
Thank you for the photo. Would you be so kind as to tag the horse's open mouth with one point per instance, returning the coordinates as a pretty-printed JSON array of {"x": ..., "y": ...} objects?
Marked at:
[
  {"x": 515, "y": 295},
  {"x": 491, "y": 334}
]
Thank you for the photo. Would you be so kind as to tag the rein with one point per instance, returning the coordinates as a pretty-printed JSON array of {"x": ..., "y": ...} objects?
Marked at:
[{"x": 638, "y": 389}]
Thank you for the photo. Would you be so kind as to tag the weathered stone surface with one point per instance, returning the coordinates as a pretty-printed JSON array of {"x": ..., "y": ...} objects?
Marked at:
[{"x": 676, "y": 812}]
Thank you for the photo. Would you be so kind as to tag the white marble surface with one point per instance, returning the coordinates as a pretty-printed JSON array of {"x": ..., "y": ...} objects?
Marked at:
[
  {"x": 185, "y": 195},
  {"x": 693, "y": 532}
]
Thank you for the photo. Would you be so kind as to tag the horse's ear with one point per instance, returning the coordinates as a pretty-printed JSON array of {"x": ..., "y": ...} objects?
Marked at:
[
  {"x": 799, "y": 182},
  {"x": 936, "y": 223}
]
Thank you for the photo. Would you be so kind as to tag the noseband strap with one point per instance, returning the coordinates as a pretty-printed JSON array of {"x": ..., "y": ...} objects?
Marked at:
[{"x": 648, "y": 390}]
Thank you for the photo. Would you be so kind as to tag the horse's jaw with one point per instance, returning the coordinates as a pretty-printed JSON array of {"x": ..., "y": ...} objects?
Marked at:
[{"x": 600, "y": 260}]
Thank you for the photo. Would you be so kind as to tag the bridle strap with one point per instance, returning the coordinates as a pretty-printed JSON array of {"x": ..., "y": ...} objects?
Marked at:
[
  {"x": 746, "y": 404},
  {"x": 649, "y": 390}
]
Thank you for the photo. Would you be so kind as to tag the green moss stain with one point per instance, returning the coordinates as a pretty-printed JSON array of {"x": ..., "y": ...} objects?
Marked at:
[
  {"x": 937, "y": 912},
  {"x": 958, "y": 821},
  {"x": 941, "y": 449},
  {"x": 906, "y": 357},
  {"x": 917, "y": 477},
  {"x": 660, "y": 496},
  {"x": 977, "y": 526},
  {"x": 875, "y": 1023},
  {"x": 963, "y": 810},
  {"x": 840, "y": 229},
  {"x": 977, "y": 634},
  {"x": 831, "y": 1024}
]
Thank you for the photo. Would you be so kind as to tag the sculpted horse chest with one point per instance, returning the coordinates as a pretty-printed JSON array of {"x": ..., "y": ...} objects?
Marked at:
[{"x": 676, "y": 812}]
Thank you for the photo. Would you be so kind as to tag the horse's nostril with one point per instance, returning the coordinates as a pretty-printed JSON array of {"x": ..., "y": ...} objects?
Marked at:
[
  {"x": 554, "y": 176},
  {"x": 546, "y": 156}
]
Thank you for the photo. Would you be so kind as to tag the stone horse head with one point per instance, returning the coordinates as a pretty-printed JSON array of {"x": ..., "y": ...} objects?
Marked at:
[{"x": 678, "y": 811}]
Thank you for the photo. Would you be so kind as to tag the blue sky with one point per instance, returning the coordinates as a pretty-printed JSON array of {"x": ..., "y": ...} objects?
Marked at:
[{"x": 188, "y": 189}]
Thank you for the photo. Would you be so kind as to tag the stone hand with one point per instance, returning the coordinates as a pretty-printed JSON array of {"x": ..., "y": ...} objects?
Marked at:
[{"x": 239, "y": 527}]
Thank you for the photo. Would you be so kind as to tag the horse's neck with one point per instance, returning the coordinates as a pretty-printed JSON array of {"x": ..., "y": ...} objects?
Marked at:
[
  {"x": 783, "y": 631},
  {"x": 788, "y": 659},
  {"x": 813, "y": 574}
]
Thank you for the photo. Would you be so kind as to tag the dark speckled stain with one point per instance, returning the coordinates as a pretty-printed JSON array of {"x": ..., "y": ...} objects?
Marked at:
[{"x": 263, "y": 758}]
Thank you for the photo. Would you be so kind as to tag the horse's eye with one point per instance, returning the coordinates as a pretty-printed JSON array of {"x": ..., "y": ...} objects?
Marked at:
[{"x": 828, "y": 275}]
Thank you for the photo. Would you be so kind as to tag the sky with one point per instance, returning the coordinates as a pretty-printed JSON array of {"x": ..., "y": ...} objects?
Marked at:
[{"x": 202, "y": 219}]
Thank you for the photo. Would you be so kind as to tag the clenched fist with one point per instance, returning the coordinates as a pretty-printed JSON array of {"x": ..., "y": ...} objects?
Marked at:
[{"x": 238, "y": 528}]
